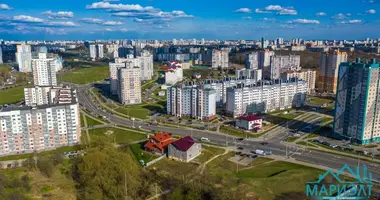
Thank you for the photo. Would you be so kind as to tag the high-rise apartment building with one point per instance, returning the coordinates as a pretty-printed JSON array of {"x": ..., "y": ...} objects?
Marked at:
[
  {"x": 49, "y": 95},
  {"x": 44, "y": 72},
  {"x": 265, "y": 97},
  {"x": 219, "y": 58},
  {"x": 27, "y": 129},
  {"x": 308, "y": 75},
  {"x": 24, "y": 58},
  {"x": 146, "y": 65},
  {"x": 357, "y": 113},
  {"x": 252, "y": 60},
  {"x": 1, "y": 55},
  {"x": 255, "y": 74},
  {"x": 191, "y": 101},
  {"x": 279, "y": 63},
  {"x": 129, "y": 85},
  {"x": 328, "y": 71},
  {"x": 96, "y": 51}
]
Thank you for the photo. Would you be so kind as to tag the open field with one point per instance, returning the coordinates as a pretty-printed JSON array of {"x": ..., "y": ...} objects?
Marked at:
[
  {"x": 318, "y": 101},
  {"x": 207, "y": 153},
  {"x": 23, "y": 156},
  {"x": 86, "y": 75},
  {"x": 238, "y": 132},
  {"x": 12, "y": 95},
  {"x": 120, "y": 136},
  {"x": 264, "y": 179},
  {"x": 92, "y": 122},
  {"x": 141, "y": 111}
]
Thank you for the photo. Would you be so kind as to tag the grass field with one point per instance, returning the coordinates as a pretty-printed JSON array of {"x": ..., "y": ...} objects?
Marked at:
[
  {"x": 140, "y": 154},
  {"x": 238, "y": 132},
  {"x": 263, "y": 179},
  {"x": 92, "y": 122},
  {"x": 320, "y": 101},
  {"x": 175, "y": 168},
  {"x": 303, "y": 143},
  {"x": 291, "y": 139},
  {"x": 12, "y": 95},
  {"x": 119, "y": 136},
  {"x": 24, "y": 156},
  {"x": 142, "y": 111},
  {"x": 207, "y": 153},
  {"x": 87, "y": 75}
]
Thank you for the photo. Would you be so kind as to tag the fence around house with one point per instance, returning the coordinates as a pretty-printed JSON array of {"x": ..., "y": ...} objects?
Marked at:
[{"x": 155, "y": 160}]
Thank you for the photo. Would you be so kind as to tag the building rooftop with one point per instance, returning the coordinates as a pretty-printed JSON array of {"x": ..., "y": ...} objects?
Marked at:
[
  {"x": 359, "y": 64},
  {"x": 184, "y": 143},
  {"x": 250, "y": 117}
]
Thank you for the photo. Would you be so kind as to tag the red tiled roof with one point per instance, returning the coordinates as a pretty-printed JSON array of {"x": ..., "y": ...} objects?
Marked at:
[
  {"x": 184, "y": 143},
  {"x": 249, "y": 117},
  {"x": 159, "y": 141}
]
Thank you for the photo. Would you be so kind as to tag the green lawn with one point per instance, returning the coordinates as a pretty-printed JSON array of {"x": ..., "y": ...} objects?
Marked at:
[
  {"x": 140, "y": 154},
  {"x": 320, "y": 101},
  {"x": 311, "y": 136},
  {"x": 267, "y": 180},
  {"x": 12, "y": 95},
  {"x": 303, "y": 143},
  {"x": 120, "y": 136},
  {"x": 29, "y": 155},
  {"x": 207, "y": 153},
  {"x": 92, "y": 122},
  {"x": 237, "y": 132},
  {"x": 82, "y": 116},
  {"x": 87, "y": 75},
  {"x": 142, "y": 111}
]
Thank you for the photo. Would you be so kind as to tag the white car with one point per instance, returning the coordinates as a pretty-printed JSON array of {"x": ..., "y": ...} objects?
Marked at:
[{"x": 204, "y": 139}]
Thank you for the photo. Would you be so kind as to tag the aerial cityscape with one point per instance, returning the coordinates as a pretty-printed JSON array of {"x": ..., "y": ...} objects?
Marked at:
[{"x": 150, "y": 100}]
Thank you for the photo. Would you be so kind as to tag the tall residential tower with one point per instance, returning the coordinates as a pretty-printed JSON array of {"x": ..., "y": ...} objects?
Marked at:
[{"x": 328, "y": 72}]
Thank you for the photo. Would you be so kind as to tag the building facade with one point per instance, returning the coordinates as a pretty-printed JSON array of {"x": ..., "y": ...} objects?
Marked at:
[
  {"x": 255, "y": 74},
  {"x": 184, "y": 149},
  {"x": 281, "y": 63},
  {"x": 191, "y": 101},
  {"x": 27, "y": 129},
  {"x": 265, "y": 97},
  {"x": 96, "y": 51},
  {"x": 129, "y": 85},
  {"x": 174, "y": 75},
  {"x": 24, "y": 58},
  {"x": 219, "y": 58},
  {"x": 44, "y": 71},
  {"x": 328, "y": 71},
  {"x": 252, "y": 60},
  {"x": 356, "y": 112},
  {"x": 49, "y": 95},
  {"x": 249, "y": 122},
  {"x": 307, "y": 75}
]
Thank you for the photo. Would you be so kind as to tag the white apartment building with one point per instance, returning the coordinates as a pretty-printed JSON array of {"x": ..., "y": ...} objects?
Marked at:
[
  {"x": 255, "y": 74},
  {"x": 96, "y": 51},
  {"x": 266, "y": 97},
  {"x": 44, "y": 71},
  {"x": 27, "y": 129},
  {"x": 49, "y": 95},
  {"x": 24, "y": 58},
  {"x": 252, "y": 60},
  {"x": 129, "y": 85},
  {"x": 146, "y": 65},
  {"x": 191, "y": 101},
  {"x": 265, "y": 59},
  {"x": 280, "y": 64},
  {"x": 308, "y": 75},
  {"x": 1, "y": 55},
  {"x": 173, "y": 75},
  {"x": 219, "y": 58}
]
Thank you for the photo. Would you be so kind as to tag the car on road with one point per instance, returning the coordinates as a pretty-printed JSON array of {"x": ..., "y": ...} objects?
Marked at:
[
  {"x": 240, "y": 148},
  {"x": 240, "y": 139},
  {"x": 204, "y": 139},
  {"x": 264, "y": 143}
]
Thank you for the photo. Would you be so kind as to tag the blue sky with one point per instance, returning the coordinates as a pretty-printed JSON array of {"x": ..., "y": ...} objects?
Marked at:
[{"x": 209, "y": 19}]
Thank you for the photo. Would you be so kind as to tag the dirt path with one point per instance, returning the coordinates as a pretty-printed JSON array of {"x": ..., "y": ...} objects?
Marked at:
[{"x": 203, "y": 166}]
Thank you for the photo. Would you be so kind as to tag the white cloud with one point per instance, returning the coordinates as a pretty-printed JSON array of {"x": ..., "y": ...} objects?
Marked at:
[
  {"x": 303, "y": 21},
  {"x": 247, "y": 18},
  {"x": 59, "y": 14},
  {"x": 268, "y": 19},
  {"x": 286, "y": 11},
  {"x": 354, "y": 21},
  {"x": 5, "y": 7},
  {"x": 112, "y": 23},
  {"x": 55, "y": 31},
  {"x": 119, "y": 7},
  {"x": 111, "y": 0},
  {"x": 108, "y": 29},
  {"x": 68, "y": 24},
  {"x": 273, "y": 8},
  {"x": 339, "y": 16},
  {"x": 243, "y": 10},
  {"x": 261, "y": 11},
  {"x": 124, "y": 30},
  {"x": 155, "y": 15},
  {"x": 28, "y": 19},
  {"x": 92, "y": 20},
  {"x": 287, "y": 26},
  {"x": 371, "y": 11},
  {"x": 321, "y": 14}
]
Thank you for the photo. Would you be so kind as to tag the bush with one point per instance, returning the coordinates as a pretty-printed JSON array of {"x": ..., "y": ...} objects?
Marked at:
[{"x": 46, "y": 166}]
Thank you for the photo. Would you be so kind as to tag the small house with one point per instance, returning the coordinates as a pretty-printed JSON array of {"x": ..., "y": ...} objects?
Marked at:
[
  {"x": 249, "y": 122},
  {"x": 158, "y": 143},
  {"x": 184, "y": 149}
]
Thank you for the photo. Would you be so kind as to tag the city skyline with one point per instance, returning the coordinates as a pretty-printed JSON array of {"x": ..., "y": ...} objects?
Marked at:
[{"x": 113, "y": 19}]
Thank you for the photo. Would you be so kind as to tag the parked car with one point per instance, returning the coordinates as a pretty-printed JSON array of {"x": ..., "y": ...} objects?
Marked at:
[
  {"x": 264, "y": 143},
  {"x": 204, "y": 139}
]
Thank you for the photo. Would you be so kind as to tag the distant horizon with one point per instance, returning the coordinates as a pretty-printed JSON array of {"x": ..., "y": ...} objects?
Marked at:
[{"x": 158, "y": 19}]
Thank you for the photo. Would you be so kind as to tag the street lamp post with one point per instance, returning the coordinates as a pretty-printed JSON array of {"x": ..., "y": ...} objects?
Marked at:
[{"x": 133, "y": 122}]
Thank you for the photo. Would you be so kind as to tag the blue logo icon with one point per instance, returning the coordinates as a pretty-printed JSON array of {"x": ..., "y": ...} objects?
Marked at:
[{"x": 359, "y": 187}]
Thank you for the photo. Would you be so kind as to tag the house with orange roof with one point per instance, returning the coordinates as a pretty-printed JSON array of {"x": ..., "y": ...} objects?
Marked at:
[{"x": 158, "y": 143}]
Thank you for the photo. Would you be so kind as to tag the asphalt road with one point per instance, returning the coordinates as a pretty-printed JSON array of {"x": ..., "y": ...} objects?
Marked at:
[{"x": 274, "y": 144}]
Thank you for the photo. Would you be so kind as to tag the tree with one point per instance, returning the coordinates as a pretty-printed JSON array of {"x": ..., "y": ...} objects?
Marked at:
[
  {"x": 57, "y": 158},
  {"x": 103, "y": 172},
  {"x": 46, "y": 166}
]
